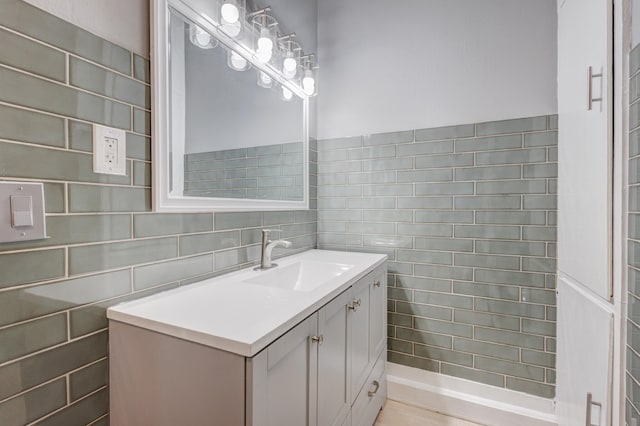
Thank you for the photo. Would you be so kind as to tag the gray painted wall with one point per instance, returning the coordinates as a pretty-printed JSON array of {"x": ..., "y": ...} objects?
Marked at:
[{"x": 428, "y": 63}]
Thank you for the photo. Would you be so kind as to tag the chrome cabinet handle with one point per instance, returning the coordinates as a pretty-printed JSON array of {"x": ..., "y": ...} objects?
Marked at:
[
  {"x": 590, "y": 98},
  {"x": 375, "y": 391},
  {"x": 376, "y": 283},
  {"x": 354, "y": 305},
  {"x": 590, "y": 403},
  {"x": 317, "y": 339}
]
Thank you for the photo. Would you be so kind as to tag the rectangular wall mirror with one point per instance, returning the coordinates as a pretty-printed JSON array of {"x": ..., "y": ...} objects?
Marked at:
[{"x": 230, "y": 131}]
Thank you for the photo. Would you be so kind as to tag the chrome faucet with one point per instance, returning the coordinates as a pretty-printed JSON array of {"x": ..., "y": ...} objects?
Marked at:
[{"x": 267, "y": 248}]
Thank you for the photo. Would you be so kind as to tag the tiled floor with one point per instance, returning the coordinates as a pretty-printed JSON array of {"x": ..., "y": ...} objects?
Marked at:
[{"x": 398, "y": 414}]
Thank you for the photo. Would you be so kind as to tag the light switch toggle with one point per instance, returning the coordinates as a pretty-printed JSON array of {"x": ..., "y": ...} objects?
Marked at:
[{"x": 21, "y": 211}]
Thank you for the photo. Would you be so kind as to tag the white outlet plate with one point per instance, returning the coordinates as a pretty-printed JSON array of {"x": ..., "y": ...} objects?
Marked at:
[{"x": 109, "y": 150}]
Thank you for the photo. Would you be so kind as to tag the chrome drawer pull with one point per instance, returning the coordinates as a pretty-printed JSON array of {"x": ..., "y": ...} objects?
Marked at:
[
  {"x": 377, "y": 385},
  {"x": 317, "y": 339},
  {"x": 376, "y": 283}
]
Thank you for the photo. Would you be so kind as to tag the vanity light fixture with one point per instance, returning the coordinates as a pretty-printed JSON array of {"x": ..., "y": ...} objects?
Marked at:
[
  {"x": 265, "y": 30},
  {"x": 253, "y": 39},
  {"x": 308, "y": 78},
  {"x": 231, "y": 17},
  {"x": 201, "y": 38},
  {"x": 290, "y": 55}
]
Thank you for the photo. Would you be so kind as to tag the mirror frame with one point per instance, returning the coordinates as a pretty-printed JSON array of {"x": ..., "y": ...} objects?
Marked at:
[{"x": 161, "y": 120}]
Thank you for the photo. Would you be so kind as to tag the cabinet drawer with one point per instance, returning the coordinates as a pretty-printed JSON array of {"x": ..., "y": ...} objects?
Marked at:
[{"x": 372, "y": 396}]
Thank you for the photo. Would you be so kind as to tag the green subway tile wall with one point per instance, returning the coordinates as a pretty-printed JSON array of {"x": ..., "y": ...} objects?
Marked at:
[
  {"x": 106, "y": 245},
  {"x": 467, "y": 216},
  {"x": 272, "y": 171},
  {"x": 633, "y": 320}
]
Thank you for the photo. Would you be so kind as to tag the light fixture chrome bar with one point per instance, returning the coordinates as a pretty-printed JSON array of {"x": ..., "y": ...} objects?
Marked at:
[
  {"x": 262, "y": 11},
  {"x": 286, "y": 37}
]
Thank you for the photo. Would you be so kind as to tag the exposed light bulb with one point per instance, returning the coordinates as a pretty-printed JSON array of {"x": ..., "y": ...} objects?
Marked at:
[
  {"x": 202, "y": 38},
  {"x": 289, "y": 64},
  {"x": 264, "y": 49},
  {"x": 265, "y": 78},
  {"x": 230, "y": 13},
  {"x": 238, "y": 63},
  {"x": 287, "y": 94},
  {"x": 232, "y": 30},
  {"x": 264, "y": 42},
  {"x": 289, "y": 67},
  {"x": 308, "y": 83},
  {"x": 264, "y": 55}
]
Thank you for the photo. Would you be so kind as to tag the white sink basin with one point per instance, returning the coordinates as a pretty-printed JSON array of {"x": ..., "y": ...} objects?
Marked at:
[{"x": 304, "y": 275}]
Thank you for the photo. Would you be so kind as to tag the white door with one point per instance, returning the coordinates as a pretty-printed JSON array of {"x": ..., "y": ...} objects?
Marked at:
[
  {"x": 333, "y": 366},
  {"x": 585, "y": 74},
  {"x": 584, "y": 146}
]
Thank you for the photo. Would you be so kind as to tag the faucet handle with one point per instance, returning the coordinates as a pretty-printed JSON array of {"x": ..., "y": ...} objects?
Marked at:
[{"x": 268, "y": 231}]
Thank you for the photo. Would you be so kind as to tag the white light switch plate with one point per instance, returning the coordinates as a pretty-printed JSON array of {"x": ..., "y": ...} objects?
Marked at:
[
  {"x": 109, "y": 150},
  {"x": 22, "y": 220}
]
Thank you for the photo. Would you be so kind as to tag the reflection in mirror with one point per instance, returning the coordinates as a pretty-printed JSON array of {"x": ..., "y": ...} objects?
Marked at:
[{"x": 233, "y": 134}]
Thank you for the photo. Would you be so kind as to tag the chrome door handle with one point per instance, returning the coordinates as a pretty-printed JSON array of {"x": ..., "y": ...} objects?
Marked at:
[
  {"x": 591, "y": 403},
  {"x": 373, "y": 392},
  {"x": 590, "y": 98}
]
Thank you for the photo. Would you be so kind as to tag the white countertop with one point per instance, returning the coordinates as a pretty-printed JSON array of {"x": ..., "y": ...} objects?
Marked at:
[{"x": 228, "y": 313}]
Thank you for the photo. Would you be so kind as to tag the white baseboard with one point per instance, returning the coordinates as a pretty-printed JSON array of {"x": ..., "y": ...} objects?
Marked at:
[{"x": 476, "y": 402}]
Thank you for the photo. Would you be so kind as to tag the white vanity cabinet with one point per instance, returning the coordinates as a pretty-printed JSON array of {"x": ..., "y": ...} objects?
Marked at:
[
  {"x": 368, "y": 324},
  {"x": 333, "y": 361},
  {"x": 314, "y": 374},
  {"x": 368, "y": 347},
  {"x": 328, "y": 370},
  {"x": 282, "y": 379},
  {"x": 302, "y": 378}
]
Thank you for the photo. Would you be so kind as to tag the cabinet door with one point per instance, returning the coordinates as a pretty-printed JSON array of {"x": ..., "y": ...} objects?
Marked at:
[
  {"x": 585, "y": 337},
  {"x": 282, "y": 380},
  {"x": 584, "y": 211},
  {"x": 359, "y": 326},
  {"x": 585, "y": 144},
  {"x": 378, "y": 314},
  {"x": 333, "y": 374}
]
